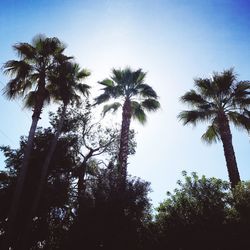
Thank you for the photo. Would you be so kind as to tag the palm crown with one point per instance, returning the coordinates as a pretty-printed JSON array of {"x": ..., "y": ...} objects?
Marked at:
[
  {"x": 220, "y": 94},
  {"x": 31, "y": 73},
  {"x": 129, "y": 85},
  {"x": 68, "y": 84}
]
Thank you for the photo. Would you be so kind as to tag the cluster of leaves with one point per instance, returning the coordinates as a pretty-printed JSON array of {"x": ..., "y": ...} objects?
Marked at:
[{"x": 204, "y": 212}]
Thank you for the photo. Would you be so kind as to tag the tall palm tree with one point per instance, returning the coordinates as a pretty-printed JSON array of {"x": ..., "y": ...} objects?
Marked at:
[
  {"x": 67, "y": 87},
  {"x": 31, "y": 81},
  {"x": 219, "y": 100},
  {"x": 136, "y": 98}
]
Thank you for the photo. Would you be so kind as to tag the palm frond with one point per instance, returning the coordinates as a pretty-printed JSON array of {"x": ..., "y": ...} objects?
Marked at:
[
  {"x": 242, "y": 88},
  {"x": 26, "y": 85},
  {"x": 83, "y": 88},
  {"x": 240, "y": 120},
  {"x": 241, "y": 95},
  {"x": 223, "y": 82},
  {"x": 193, "y": 98},
  {"x": 194, "y": 116},
  {"x": 30, "y": 100},
  {"x": 204, "y": 87},
  {"x": 138, "y": 112},
  {"x": 25, "y": 50},
  {"x": 146, "y": 91},
  {"x": 117, "y": 75},
  {"x": 111, "y": 107},
  {"x": 12, "y": 89},
  {"x": 107, "y": 82},
  {"x": 102, "y": 98},
  {"x": 18, "y": 69},
  {"x": 83, "y": 74},
  {"x": 139, "y": 76},
  {"x": 17, "y": 87},
  {"x": 211, "y": 135},
  {"x": 246, "y": 113},
  {"x": 46, "y": 46},
  {"x": 150, "y": 104}
]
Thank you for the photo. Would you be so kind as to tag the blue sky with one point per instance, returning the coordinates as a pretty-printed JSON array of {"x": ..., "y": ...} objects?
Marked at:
[{"x": 174, "y": 41}]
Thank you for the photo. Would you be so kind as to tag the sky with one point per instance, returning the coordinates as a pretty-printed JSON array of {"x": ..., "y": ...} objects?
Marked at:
[{"x": 173, "y": 41}]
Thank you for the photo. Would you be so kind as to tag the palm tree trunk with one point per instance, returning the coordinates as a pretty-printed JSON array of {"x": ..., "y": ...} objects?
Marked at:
[
  {"x": 124, "y": 138},
  {"x": 226, "y": 138},
  {"x": 44, "y": 175},
  {"x": 15, "y": 205}
]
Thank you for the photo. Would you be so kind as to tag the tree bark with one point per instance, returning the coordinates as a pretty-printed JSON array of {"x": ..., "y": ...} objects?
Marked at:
[
  {"x": 124, "y": 139},
  {"x": 12, "y": 229},
  {"x": 226, "y": 138}
]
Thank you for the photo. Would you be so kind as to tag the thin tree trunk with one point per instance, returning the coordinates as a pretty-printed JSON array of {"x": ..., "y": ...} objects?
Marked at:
[
  {"x": 44, "y": 175},
  {"x": 15, "y": 205},
  {"x": 226, "y": 138},
  {"x": 81, "y": 185},
  {"x": 124, "y": 139}
]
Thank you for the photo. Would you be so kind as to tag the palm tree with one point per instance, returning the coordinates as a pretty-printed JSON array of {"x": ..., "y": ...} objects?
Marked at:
[
  {"x": 31, "y": 81},
  {"x": 219, "y": 100},
  {"x": 136, "y": 98},
  {"x": 67, "y": 88}
]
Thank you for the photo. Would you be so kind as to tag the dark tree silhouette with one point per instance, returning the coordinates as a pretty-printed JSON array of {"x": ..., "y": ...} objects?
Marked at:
[
  {"x": 204, "y": 213},
  {"x": 31, "y": 79},
  {"x": 67, "y": 87}
]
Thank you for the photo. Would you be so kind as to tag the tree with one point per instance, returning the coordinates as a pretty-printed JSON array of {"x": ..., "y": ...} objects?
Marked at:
[
  {"x": 99, "y": 225},
  {"x": 31, "y": 80},
  {"x": 204, "y": 213},
  {"x": 219, "y": 100},
  {"x": 96, "y": 144},
  {"x": 68, "y": 88},
  {"x": 136, "y": 98},
  {"x": 56, "y": 198}
]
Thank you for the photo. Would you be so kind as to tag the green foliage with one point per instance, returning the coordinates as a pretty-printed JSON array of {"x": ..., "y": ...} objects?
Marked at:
[
  {"x": 114, "y": 107},
  {"x": 212, "y": 134},
  {"x": 241, "y": 201},
  {"x": 204, "y": 211},
  {"x": 197, "y": 201}
]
